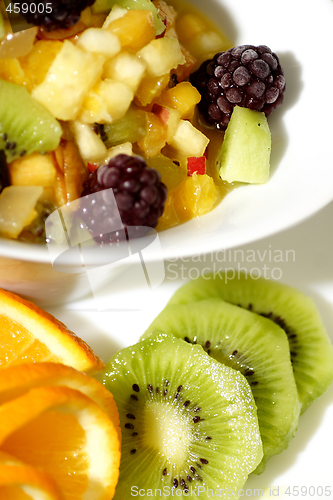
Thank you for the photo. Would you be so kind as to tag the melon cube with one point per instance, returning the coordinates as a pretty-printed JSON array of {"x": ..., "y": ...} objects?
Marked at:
[
  {"x": 92, "y": 148},
  {"x": 99, "y": 41},
  {"x": 107, "y": 102},
  {"x": 33, "y": 170},
  {"x": 189, "y": 141},
  {"x": 162, "y": 55},
  {"x": 127, "y": 68},
  {"x": 246, "y": 148},
  {"x": 69, "y": 78}
]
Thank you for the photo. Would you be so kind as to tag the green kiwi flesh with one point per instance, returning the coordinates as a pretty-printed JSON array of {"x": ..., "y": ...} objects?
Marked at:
[
  {"x": 25, "y": 125},
  {"x": 188, "y": 422},
  {"x": 255, "y": 346},
  {"x": 311, "y": 351}
]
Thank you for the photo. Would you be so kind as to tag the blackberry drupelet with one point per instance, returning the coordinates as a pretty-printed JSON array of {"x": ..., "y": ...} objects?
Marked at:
[
  {"x": 246, "y": 76},
  {"x": 65, "y": 13},
  {"x": 139, "y": 193}
]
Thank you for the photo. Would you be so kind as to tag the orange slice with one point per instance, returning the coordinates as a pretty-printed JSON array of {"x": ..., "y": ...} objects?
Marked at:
[
  {"x": 68, "y": 436},
  {"x": 21, "y": 482},
  {"x": 18, "y": 379},
  {"x": 30, "y": 334}
]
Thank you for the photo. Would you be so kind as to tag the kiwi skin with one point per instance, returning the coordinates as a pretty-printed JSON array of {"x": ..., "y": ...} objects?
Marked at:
[
  {"x": 251, "y": 344},
  {"x": 311, "y": 350},
  {"x": 183, "y": 385}
]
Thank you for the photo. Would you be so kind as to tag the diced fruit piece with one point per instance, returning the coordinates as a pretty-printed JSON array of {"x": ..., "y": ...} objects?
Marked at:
[
  {"x": 116, "y": 13},
  {"x": 168, "y": 16},
  {"x": 189, "y": 141},
  {"x": 189, "y": 25},
  {"x": 121, "y": 149},
  {"x": 199, "y": 194},
  {"x": 33, "y": 170},
  {"x": 161, "y": 55},
  {"x": 246, "y": 148},
  {"x": 207, "y": 43},
  {"x": 72, "y": 73},
  {"x": 107, "y": 102},
  {"x": 130, "y": 128},
  {"x": 183, "y": 71},
  {"x": 185, "y": 404},
  {"x": 183, "y": 97},
  {"x": 196, "y": 164},
  {"x": 155, "y": 139},
  {"x": 127, "y": 68},
  {"x": 91, "y": 146},
  {"x": 30, "y": 334},
  {"x": 16, "y": 204},
  {"x": 143, "y": 5},
  {"x": 2, "y": 26},
  {"x": 170, "y": 117},
  {"x": 171, "y": 173},
  {"x": 11, "y": 71},
  {"x": 150, "y": 88},
  {"x": 17, "y": 44},
  {"x": 135, "y": 29},
  {"x": 99, "y": 41},
  {"x": 75, "y": 172},
  {"x": 25, "y": 125},
  {"x": 37, "y": 62}
]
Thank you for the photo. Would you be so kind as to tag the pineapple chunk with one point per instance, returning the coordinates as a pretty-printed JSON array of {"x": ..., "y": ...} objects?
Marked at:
[
  {"x": 189, "y": 141},
  {"x": 33, "y": 170},
  {"x": 106, "y": 102},
  {"x": 71, "y": 75},
  {"x": 126, "y": 68},
  {"x": 16, "y": 205},
  {"x": 91, "y": 146},
  {"x": 99, "y": 41},
  {"x": 183, "y": 97},
  {"x": 161, "y": 55},
  {"x": 125, "y": 148},
  {"x": 135, "y": 29},
  {"x": 116, "y": 13}
]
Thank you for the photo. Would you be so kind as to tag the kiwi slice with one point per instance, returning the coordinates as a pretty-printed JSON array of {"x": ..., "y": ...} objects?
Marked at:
[
  {"x": 251, "y": 344},
  {"x": 25, "y": 125},
  {"x": 188, "y": 422},
  {"x": 311, "y": 351}
]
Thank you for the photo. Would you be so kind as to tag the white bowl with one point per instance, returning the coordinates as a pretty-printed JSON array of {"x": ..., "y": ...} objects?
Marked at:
[{"x": 301, "y": 180}]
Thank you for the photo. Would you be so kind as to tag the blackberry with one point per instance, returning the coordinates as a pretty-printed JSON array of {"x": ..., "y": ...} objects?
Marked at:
[
  {"x": 246, "y": 76},
  {"x": 139, "y": 193},
  {"x": 64, "y": 13}
]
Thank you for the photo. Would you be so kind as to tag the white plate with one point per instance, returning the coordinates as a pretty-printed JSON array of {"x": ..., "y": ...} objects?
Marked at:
[{"x": 302, "y": 263}]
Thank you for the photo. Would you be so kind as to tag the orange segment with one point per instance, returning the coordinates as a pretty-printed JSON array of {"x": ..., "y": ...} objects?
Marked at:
[
  {"x": 18, "y": 379},
  {"x": 66, "y": 434},
  {"x": 28, "y": 333},
  {"x": 21, "y": 482},
  {"x": 38, "y": 61}
]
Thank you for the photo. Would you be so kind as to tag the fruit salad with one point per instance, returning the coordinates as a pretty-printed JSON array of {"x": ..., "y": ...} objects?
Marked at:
[{"x": 134, "y": 96}]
